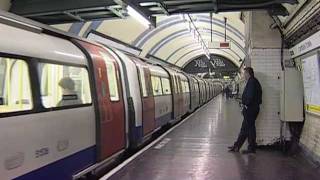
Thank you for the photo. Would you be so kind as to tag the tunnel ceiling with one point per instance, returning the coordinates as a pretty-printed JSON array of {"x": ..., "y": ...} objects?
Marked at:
[
  {"x": 170, "y": 39},
  {"x": 62, "y": 11}
]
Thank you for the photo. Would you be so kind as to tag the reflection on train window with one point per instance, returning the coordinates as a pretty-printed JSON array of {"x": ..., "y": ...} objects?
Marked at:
[
  {"x": 63, "y": 85},
  {"x": 156, "y": 85},
  {"x": 183, "y": 86},
  {"x": 15, "y": 89},
  {"x": 166, "y": 86},
  {"x": 143, "y": 82},
  {"x": 183, "y": 89},
  {"x": 186, "y": 84},
  {"x": 112, "y": 80}
]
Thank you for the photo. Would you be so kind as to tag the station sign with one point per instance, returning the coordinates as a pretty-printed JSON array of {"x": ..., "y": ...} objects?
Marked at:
[
  {"x": 218, "y": 45},
  {"x": 305, "y": 46}
]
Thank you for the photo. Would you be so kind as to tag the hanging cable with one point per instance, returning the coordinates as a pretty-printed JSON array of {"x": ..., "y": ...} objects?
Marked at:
[
  {"x": 197, "y": 35},
  {"x": 225, "y": 29},
  {"x": 211, "y": 24}
]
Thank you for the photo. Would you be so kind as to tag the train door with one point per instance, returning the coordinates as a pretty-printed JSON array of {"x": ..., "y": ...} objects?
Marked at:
[
  {"x": 192, "y": 93},
  {"x": 205, "y": 91},
  {"x": 175, "y": 95},
  {"x": 181, "y": 98},
  {"x": 148, "y": 106},
  {"x": 111, "y": 123}
]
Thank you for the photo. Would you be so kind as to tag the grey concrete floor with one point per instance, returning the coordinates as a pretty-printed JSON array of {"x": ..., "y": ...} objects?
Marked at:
[{"x": 197, "y": 150}]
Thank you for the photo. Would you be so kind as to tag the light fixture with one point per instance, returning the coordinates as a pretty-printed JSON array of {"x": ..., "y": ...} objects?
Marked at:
[{"x": 136, "y": 15}]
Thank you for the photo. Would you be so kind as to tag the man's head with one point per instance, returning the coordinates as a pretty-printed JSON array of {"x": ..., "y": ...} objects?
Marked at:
[
  {"x": 248, "y": 72},
  {"x": 67, "y": 85}
]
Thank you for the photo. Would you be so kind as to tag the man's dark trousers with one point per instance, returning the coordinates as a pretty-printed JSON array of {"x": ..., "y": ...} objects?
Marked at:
[{"x": 248, "y": 128}]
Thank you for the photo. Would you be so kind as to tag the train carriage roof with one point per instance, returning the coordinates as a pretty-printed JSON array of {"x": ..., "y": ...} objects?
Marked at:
[{"x": 25, "y": 39}]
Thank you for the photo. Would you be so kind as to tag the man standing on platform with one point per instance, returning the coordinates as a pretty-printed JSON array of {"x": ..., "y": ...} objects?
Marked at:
[{"x": 251, "y": 100}]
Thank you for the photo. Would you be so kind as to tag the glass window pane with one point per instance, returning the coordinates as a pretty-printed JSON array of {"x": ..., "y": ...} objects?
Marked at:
[
  {"x": 15, "y": 86},
  {"x": 174, "y": 84},
  {"x": 183, "y": 85},
  {"x": 178, "y": 85},
  {"x": 166, "y": 86},
  {"x": 156, "y": 85},
  {"x": 112, "y": 80},
  {"x": 63, "y": 85},
  {"x": 112, "y": 75},
  {"x": 143, "y": 82}
]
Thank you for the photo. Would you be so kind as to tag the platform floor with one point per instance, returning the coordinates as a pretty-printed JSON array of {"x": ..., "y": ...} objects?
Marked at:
[{"x": 198, "y": 150}]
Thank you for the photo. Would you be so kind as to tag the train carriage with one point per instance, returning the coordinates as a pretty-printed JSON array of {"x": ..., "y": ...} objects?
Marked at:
[
  {"x": 206, "y": 90},
  {"x": 162, "y": 95},
  {"x": 141, "y": 108},
  {"x": 202, "y": 91},
  {"x": 194, "y": 93},
  {"x": 72, "y": 104},
  {"x": 47, "y": 115},
  {"x": 111, "y": 137},
  {"x": 177, "y": 95},
  {"x": 185, "y": 90}
]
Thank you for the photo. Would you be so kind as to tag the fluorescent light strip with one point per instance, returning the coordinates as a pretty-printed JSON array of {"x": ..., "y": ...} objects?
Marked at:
[{"x": 136, "y": 15}]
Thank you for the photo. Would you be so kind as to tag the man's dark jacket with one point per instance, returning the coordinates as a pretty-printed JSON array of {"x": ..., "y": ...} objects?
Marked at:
[{"x": 252, "y": 94}]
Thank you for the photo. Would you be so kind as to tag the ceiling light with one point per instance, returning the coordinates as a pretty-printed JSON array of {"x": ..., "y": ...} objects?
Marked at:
[{"x": 136, "y": 15}]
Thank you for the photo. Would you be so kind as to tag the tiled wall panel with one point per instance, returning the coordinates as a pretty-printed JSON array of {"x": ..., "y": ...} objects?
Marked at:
[{"x": 267, "y": 67}]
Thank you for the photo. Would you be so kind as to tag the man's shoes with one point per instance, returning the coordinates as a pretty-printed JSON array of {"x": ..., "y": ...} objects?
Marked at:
[
  {"x": 233, "y": 149},
  {"x": 248, "y": 152}
]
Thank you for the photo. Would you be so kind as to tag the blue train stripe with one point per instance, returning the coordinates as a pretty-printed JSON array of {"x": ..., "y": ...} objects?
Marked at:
[{"x": 63, "y": 169}]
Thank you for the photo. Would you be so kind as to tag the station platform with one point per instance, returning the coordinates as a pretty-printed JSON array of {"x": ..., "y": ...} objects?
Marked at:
[{"x": 197, "y": 149}]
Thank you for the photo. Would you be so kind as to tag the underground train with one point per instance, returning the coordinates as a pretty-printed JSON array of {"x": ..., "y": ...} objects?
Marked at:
[{"x": 68, "y": 105}]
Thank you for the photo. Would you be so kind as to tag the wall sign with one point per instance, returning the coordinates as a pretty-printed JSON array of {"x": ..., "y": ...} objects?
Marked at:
[
  {"x": 218, "y": 66},
  {"x": 305, "y": 46},
  {"x": 311, "y": 83}
]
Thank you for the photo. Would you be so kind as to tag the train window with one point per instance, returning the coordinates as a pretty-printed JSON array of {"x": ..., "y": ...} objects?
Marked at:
[
  {"x": 112, "y": 80},
  {"x": 143, "y": 82},
  {"x": 156, "y": 85},
  {"x": 174, "y": 84},
  {"x": 178, "y": 85},
  {"x": 166, "y": 86},
  {"x": 15, "y": 89},
  {"x": 63, "y": 85}
]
